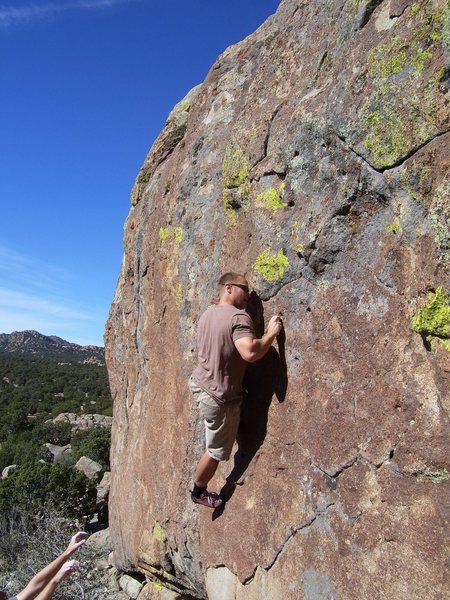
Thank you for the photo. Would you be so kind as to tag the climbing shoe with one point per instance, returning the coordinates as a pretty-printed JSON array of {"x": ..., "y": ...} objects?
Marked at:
[{"x": 208, "y": 499}]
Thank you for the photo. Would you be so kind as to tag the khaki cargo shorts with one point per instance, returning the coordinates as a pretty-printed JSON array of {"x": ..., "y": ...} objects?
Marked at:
[{"x": 221, "y": 422}]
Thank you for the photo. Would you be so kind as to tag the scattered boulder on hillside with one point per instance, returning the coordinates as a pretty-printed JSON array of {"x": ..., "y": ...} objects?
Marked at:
[
  {"x": 83, "y": 422},
  {"x": 89, "y": 467},
  {"x": 9, "y": 470},
  {"x": 61, "y": 454}
]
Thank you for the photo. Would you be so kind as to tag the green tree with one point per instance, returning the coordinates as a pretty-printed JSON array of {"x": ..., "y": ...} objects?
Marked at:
[{"x": 93, "y": 443}]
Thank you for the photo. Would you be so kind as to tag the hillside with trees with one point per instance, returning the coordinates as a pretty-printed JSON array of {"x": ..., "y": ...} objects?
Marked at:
[
  {"x": 55, "y": 406},
  {"x": 35, "y": 344},
  {"x": 35, "y": 387}
]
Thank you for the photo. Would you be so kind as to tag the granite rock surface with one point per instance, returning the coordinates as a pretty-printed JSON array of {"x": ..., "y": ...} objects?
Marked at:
[{"x": 314, "y": 158}]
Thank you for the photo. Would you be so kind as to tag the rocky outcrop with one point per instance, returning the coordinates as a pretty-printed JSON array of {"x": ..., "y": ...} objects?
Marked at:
[
  {"x": 83, "y": 422},
  {"x": 89, "y": 467},
  {"x": 60, "y": 454},
  {"x": 314, "y": 158}
]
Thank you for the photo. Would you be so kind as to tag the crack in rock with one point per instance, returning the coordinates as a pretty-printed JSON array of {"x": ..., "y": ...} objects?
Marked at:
[
  {"x": 292, "y": 533},
  {"x": 266, "y": 139},
  {"x": 185, "y": 588},
  {"x": 335, "y": 473},
  {"x": 321, "y": 62},
  {"x": 401, "y": 160}
]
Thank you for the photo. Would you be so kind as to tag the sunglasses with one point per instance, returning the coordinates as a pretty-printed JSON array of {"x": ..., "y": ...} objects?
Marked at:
[{"x": 243, "y": 287}]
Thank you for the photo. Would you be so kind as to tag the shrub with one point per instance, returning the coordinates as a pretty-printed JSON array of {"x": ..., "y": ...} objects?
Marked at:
[
  {"x": 93, "y": 443},
  {"x": 40, "y": 486},
  {"x": 52, "y": 433}
]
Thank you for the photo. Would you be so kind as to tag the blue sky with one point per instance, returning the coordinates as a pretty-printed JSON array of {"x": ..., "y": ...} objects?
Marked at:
[{"x": 86, "y": 86}]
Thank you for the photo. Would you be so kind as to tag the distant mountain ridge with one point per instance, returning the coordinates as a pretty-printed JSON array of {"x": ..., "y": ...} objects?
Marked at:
[{"x": 34, "y": 344}]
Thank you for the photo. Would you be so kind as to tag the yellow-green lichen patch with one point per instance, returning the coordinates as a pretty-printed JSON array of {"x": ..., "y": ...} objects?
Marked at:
[
  {"x": 402, "y": 112},
  {"x": 144, "y": 176},
  {"x": 385, "y": 139},
  {"x": 396, "y": 125},
  {"x": 272, "y": 198},
  {"x": 433, "y": 319},
  {"x": 438, "y": 77},
  {"x": 158, "y": 532},
  {"x": 228, "y": 206},
  {"x": 178, "y": 232},
  {"x": 388, "y": 59},
  {"x": 164, "y": 233},
  {"x": 420, "y": 57},
  {"x": 271, "y": 267},
  {"x": 235, "y": 172},
  {"x": 235, "y": 166},
  {"x": 393, "y": 227},
  {"x": 415, "y": 8},
  {"x": 177, "y": 293}
]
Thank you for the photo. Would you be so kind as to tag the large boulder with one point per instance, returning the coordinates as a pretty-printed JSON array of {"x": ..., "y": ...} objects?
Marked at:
[
  {"x": 315, "y": 158},
  {"x": 130, "y": 586},
  {"x": 89, "y": 467},
  {"x": 9, "y": 470},
  {"x": 60, "y": 454},
  {"x": 100, "y": 543}
]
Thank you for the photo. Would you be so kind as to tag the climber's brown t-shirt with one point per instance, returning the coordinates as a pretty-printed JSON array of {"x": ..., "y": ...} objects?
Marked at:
[{"x": 221, "y": 368}]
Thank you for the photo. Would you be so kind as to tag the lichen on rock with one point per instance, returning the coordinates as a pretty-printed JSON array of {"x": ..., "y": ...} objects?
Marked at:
[
  {"x": 402, "y": 113},
  {"x": 272, "y": 198},
  {"x": 271, "y": 267},
  {"x": 235, "y": 173},
  {"x": 235, "y": 167},
  {"x": 164, "y": 233},
  {"x": 433, "y": 319}
]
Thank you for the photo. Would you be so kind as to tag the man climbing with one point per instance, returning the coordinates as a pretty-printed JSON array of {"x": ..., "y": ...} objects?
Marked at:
[{"x": 226, "y": 342}]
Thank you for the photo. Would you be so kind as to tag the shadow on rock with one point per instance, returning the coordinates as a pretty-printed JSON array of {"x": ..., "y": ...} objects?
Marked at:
[{"x": 263, "y": 379}]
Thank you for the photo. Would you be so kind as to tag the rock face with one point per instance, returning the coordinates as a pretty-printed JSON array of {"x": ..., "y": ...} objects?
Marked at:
[{"x": 314, "y": 158}]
